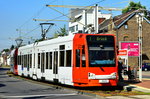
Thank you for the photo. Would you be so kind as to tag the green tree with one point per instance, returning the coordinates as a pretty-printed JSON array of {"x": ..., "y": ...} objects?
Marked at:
[
  {"x": 133, "y": 6},
  {"x": 12, "y": 47},
  {"x": 39, "y": 40},
  {"x": 61, "y": 32},
  {"x": 6, "y": 50}
]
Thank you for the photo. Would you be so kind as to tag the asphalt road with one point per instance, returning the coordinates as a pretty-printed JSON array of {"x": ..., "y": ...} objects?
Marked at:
[{"x": 13, "y": 88}]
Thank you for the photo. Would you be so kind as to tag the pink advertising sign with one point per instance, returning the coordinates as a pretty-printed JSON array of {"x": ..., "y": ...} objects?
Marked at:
[{"x": 132, "y": 47}]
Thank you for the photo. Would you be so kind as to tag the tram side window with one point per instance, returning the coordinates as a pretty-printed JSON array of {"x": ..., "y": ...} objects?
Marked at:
[
  {"x": 50, "y": 60},
  {"x": 20, "y": 60},
  {"x": 46, "y": 60},
  {"x": 55, "y": 58},
  {"x": 68, "y": 58},
  {"x": 34, "y": 61},
  {"x": 83, "y": 57},
  {"x": 42, "y": 60},
  {"x": 39, "y": 60},
  {"x": 25, "y": 61},
  {"x": 77, "y": 58},
  {"x": 61, "y": 47},
  {"x": 62, "y": 58},
  {"x": 30, "y": 60}
]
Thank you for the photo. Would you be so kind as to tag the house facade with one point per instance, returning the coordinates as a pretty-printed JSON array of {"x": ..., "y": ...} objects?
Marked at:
[{"x": 126, "y": 29}]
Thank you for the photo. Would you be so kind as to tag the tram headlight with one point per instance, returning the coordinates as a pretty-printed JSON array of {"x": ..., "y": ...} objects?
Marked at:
[
  {"x": 91, "y": 75},
  {"x": 113, "y": 75}
]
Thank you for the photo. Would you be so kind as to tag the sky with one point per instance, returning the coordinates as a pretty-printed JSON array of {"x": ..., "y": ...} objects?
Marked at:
[{"x": 16, "y": 16}]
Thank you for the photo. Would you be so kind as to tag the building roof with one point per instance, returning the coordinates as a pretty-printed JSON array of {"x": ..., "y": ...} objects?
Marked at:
[
  {"x": 121, "y": 19},
  {"x": 104, "y": 25}
]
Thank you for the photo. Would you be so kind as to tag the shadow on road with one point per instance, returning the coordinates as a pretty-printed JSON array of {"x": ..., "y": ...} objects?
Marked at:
[
  {"x": 2, "y": 85},
  {"x": 38, "y": 97},
  {"x": 3, "y": 69}
]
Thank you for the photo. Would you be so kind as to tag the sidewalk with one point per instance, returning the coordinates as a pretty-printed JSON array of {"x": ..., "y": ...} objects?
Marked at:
[
  {"x": 143, "y": 86},
  {"x": 130, "y": 86}
]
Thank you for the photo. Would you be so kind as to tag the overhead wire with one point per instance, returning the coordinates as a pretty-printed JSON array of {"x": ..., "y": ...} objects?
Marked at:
[
  {"x": 31, "y": 18},
  {"x": 76, "y": 11},
  {"x": 38, "y": 13}
]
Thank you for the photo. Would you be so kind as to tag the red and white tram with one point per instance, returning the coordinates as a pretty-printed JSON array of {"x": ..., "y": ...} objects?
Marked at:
[{"x": 78, "y": 60}]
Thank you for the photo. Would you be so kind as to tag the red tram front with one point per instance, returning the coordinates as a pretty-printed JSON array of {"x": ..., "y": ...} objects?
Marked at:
[{"x": 94, "y": 60}]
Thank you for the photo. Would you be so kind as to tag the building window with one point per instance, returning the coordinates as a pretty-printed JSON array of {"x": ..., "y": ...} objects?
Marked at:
[
  {"x": 72, "y": 29},
  {"x": 125, "y": 26},
  {"x": 125, "y": 38},
  {"x": 76, "y": 27}
]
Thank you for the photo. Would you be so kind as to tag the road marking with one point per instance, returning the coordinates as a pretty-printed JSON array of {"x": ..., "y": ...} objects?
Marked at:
[{"x": 25, "y": 96}]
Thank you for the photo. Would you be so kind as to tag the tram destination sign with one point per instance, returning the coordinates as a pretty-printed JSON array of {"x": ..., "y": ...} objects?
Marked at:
[{"x": 100, "y": 38}]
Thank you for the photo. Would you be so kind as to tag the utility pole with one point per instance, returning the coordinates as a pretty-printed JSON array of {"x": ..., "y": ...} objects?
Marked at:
[
  {"x": 139, "y": 20},
  {"x": 96, "y": 19}
]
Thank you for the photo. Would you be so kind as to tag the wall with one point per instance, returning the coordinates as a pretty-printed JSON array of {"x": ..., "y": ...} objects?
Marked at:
[{"x": 131, "y": 34}]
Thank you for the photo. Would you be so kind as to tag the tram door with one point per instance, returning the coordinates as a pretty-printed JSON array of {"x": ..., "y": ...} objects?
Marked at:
[
  {"x": 55, "y": 66},
  {"x": 42, "y": 63}
]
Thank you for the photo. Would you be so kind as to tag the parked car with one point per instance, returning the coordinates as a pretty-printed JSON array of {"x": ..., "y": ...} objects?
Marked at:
[{"x": 146, "y": 66}]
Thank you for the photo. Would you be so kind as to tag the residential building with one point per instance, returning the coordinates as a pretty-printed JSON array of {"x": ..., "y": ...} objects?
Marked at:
[
  {"x": 86, "y": 20},
  {"x": 126, "y": 28}
]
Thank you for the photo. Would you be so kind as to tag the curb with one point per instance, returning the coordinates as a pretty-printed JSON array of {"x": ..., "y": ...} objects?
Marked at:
[{"x": 137, "y": 88}]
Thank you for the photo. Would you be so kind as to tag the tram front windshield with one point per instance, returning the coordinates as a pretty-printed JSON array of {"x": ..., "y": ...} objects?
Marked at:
[{"x": 101, "y": 51}]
